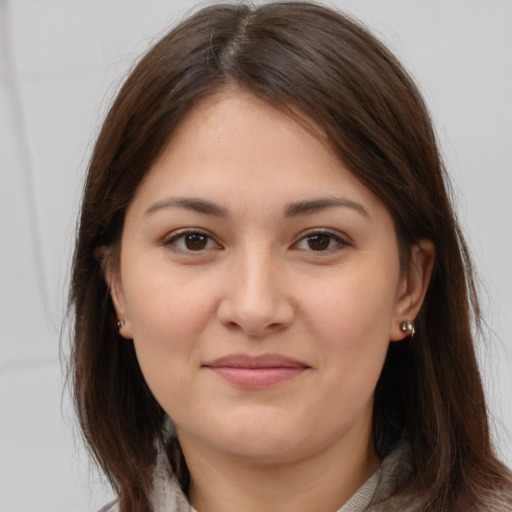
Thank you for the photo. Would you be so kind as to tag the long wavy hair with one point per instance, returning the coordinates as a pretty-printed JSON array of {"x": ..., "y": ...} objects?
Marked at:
[{"x": 319, "y": 65}]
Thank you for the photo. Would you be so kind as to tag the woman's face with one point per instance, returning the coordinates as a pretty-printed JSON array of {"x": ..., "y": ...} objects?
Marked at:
[{"x": 260, "y": 282}]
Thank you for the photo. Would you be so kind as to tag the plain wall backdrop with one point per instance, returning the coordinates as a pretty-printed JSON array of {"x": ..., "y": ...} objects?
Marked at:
[{"x": 60, "y": 63}]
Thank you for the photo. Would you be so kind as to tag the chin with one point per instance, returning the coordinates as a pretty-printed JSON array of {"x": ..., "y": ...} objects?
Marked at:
[
  {"x": 262, "y": 438},
  {"x": 271, "y": 440},
  {"x": 264, "y": 450}
]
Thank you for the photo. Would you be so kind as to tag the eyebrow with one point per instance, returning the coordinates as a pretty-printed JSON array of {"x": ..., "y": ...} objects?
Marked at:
[
  {"x": 315, "y": 205},
  {"x": 189, "y": 203},
  {"x": 296, "y": 209}
]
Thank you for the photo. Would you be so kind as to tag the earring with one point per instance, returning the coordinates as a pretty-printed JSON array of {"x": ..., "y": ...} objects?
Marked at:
[
  {"x": 407, "y": 327},
  {"x": 120, "y": 323}
]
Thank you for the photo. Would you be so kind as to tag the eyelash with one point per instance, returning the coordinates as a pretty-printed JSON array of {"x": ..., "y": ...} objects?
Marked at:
[
  {"x": 332, "y": 237},
  {"x": 180, "y": 237}
]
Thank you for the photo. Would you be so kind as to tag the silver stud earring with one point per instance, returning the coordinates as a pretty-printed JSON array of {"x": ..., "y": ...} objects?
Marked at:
[
  {"x": 407, "y": 327},
  {"x": 120, "y": 323}
]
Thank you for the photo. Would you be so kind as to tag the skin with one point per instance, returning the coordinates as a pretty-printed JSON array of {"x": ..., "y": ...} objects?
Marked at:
[{"x": 321, "y": 285}]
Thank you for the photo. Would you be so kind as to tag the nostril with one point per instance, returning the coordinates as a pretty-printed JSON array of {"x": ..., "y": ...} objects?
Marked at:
[{"x": 231, "y": 325}]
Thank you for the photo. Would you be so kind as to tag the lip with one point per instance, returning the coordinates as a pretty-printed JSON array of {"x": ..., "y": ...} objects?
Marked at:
[{"x": 256, "y": 372}]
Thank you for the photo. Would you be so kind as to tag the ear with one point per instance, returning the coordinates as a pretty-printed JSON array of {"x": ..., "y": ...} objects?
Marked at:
[
  {"x": 413, "y": 286},
  {"x": 112, "y": 274}
]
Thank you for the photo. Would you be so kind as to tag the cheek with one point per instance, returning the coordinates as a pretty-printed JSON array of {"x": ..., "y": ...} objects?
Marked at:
[
  {"x": 164, "y": 304},
  {"x": 351, "y": 325},
  {"x": 166, "y": 318},
  {"x": 354, "y": 310},
  {"x": 166, "y": 329}
]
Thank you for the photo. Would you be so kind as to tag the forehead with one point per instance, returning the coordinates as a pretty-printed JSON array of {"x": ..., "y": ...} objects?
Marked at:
[{"x": 235, "y": 148}]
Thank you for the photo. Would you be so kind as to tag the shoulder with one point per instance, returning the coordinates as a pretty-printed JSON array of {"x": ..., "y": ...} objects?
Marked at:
[{"x": 113, "y": 506}]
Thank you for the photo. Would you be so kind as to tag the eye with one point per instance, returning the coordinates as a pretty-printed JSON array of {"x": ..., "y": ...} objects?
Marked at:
[
  {"x": 191, "y": 241},
  {"x": 320, "y": 241}
]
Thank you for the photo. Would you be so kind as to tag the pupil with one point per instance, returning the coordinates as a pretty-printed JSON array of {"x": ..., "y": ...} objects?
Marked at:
[
  {"x": 319, "y": 242},
  {"x": 195, "y": 241}
]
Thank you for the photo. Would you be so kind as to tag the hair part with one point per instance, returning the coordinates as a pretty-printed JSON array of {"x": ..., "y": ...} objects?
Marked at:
[{"x": 330, "y": 73}]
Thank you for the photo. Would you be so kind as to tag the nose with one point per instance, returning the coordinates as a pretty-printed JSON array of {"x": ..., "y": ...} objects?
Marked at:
[{"x": 255, "y": 299}]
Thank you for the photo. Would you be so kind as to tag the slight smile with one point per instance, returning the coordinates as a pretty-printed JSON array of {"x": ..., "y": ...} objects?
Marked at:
[{"x": 256, "y": 372}]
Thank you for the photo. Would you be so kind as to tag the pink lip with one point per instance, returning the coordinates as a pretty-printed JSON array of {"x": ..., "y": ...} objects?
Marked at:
[{"x": 256, "y": 372}]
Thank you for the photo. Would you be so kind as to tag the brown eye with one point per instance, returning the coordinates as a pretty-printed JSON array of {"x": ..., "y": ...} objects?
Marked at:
[
  {"x": 191, "y": 241},
  {"x": 319, "y": 242},
  {"x": 195, "y": 241}
]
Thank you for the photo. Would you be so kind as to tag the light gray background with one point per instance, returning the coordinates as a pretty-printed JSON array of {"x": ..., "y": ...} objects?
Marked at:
[{"x": 60, "y": 63}]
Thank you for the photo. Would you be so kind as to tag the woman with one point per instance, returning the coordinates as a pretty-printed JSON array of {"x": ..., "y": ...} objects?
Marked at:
[{"x": 272, "y": 297}]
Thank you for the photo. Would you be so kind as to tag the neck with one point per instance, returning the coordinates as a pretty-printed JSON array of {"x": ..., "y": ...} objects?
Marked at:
[{"x": 322, "y": 482}]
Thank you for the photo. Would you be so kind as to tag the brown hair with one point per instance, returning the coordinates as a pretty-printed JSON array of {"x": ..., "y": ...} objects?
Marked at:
[{"x": 309, "y": 59}]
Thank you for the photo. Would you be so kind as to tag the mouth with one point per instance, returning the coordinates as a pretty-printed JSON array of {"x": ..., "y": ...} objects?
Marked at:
[{"x": 256, "y": 372}]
